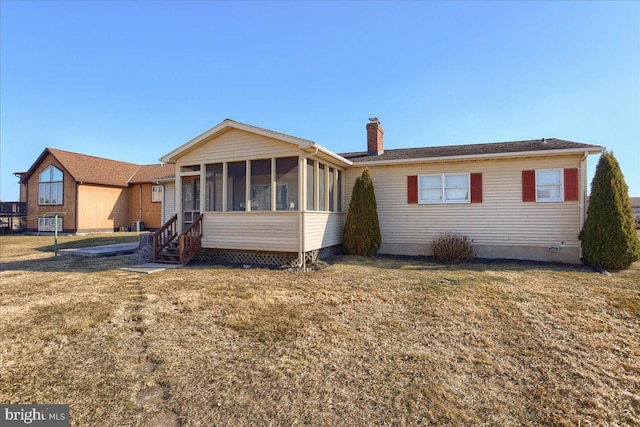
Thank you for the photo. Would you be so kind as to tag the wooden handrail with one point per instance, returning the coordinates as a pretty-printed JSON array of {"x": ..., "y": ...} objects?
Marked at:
[
  {"x": 191, "y": 240},
  {"x": 164, "y": 235}
]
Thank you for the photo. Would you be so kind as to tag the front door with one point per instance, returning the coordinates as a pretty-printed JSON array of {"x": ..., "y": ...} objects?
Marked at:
[{"x": 190, "y": 200}]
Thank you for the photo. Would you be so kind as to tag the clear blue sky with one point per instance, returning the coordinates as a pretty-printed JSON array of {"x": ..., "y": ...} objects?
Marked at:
[{"x": 134, "y": 80}]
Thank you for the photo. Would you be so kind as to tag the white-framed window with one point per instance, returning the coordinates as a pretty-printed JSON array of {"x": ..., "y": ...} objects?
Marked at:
[
  {"x": 444, "y": 188},
  {"x": 549, "y": 185},
  {"x": 156, "y": 193},
  {"x": 49, "y": 224},
  {"x": 50, "y": 186}
]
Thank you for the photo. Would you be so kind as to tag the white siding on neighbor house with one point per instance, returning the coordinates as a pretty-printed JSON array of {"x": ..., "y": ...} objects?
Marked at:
[
  {"x": 323, "y": 229},
  {"x": 502, "y": 219},
  {"x": 169, "y": 201},
  {"x": 259, "y": 231},
  {"x": 236, "y": 145}
]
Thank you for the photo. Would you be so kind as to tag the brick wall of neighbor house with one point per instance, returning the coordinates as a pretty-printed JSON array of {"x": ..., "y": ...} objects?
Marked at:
[
  {"x": 501, "y": 226},
  {"x": 23, "y": 192},
  {"x": 151, "y": 211},
  {"x": 102, "y": 208},
  {"x": 69, "y": 196}
]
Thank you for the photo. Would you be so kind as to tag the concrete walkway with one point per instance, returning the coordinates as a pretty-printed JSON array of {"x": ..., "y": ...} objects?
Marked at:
[{"x": 104, "y": 250}]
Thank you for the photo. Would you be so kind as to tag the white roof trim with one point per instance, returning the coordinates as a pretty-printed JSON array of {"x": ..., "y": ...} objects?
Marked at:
[
  {"x": 479, "y": 156},
  {"x": 231, "y": 124}
]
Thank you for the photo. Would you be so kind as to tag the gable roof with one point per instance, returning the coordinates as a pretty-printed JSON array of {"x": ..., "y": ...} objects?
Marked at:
[
  {"x": 470, "y": 151},
  {"x": 97, "y": 170},
  {"x": 229, "y": 124}
]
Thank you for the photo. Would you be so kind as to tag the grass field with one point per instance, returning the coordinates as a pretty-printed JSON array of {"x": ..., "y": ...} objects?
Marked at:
[{"x": 361, "y": 342}]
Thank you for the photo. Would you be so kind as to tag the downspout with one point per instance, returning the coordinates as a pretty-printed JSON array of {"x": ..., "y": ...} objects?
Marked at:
[
  {"x": 140, "y": 214},
  {"x": 583, "y": 192},
  {"x": 77, "y": 202},
  {"x": 302, "y": 210}
]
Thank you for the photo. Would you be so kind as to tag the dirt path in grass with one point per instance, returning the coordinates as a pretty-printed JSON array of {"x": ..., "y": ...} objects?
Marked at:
[{"x": 150, "y": 395}]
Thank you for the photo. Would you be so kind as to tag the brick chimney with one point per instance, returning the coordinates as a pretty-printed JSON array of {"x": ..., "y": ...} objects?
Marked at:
[{"x": 375, "y": 134}]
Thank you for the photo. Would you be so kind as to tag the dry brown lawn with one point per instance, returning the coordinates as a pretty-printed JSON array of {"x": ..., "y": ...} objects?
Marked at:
[{"x": 361, "y": 342}]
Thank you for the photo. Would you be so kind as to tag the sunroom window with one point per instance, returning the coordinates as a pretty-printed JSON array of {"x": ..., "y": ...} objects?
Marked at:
[
  {"x": 261, "y": 185},
  {"x": 287, "y": 183},
  {"x": 321, "y": 188},
  {"x": 236, "y": 186},
  {"x": 50, "y": 185},
  {"x": 214, "y": 193},
  {"x": 310, "y": 184}
]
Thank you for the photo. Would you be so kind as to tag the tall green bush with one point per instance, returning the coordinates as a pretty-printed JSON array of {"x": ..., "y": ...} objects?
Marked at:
[
  {"x": 608, "y": 237},
  {"x": 361, "y": 235}
]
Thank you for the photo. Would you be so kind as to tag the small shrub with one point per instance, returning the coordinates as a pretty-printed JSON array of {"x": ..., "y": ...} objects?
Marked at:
[{"x": 452, "y": 247}]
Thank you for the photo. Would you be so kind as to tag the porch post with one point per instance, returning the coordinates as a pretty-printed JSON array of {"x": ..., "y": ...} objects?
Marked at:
[
  {"x": 302, "y": 206},
  {"x": 178, "y": 201}
]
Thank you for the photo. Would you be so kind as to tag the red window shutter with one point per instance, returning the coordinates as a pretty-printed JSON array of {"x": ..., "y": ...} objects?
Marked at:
[
  {"x": 571, "y": 184},
  {"x": 412, "y": 189},
  {"x": 528, "y": 186},
  {"x": 476, "y": 188}
]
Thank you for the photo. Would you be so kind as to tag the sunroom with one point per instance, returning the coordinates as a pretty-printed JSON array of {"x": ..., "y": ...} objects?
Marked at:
[{"x": 261, "y": 197}]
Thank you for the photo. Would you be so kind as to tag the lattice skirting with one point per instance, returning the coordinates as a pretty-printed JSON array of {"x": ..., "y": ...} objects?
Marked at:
[{"x": 264, "y": 258}]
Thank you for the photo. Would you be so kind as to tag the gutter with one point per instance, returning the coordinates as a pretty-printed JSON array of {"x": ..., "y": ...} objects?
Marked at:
[
  {"x": 583, "y": 193},
  {"x": 302, "y": 259},
  {"x": 476, "y": 157},
  {"x": 330, "y": 154}
]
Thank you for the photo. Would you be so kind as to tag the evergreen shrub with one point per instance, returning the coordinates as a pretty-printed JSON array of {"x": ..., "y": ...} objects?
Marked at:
[
  {"x": 361, "y": 235},
  {"x": 608, "y": 236}
]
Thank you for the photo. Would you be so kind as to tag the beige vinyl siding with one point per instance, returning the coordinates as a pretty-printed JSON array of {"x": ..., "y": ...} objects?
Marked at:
[
  {"x": 323, "y": 229},
  {"x": 169, "y": 202},
  {"x": 236, "y": 145},
  {"x": 501, "y": 220},
  {"x": 102, "y": 208},
  {"x": 260, "y": 231}
]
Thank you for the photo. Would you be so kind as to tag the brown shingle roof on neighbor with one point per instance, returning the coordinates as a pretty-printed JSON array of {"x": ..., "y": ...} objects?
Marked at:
[
  {"x": 97, "y": 170},
  {"x": 550, "y": 144},
  {"x": 150, "y": 173}
]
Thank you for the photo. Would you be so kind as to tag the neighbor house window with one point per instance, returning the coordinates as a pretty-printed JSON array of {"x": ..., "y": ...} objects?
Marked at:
[
  {"x": 214, "y": 187},
  {"x": 287, "y": 183},
  {"x": 50, "y": 186},
  {"x": 156, "y": 193},
  {"x": 49, "y": 224},
  {"x": 443, "y": 188},
  {"x": 549, "y": 185}
]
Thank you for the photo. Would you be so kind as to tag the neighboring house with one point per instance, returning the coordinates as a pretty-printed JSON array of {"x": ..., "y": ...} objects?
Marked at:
[
  {"x": 95, "y": 194},
  {"x": 635, "y": 206},
  {"x": 12, "y": 216},
  {"x": 262, "y": 193}
]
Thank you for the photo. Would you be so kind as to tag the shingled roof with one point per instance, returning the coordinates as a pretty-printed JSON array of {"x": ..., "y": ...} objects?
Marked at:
[
  {"x": 497, "y": 148},
  {"x": 150, "y": 173},
  {"x": 97, "y": 170}
]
